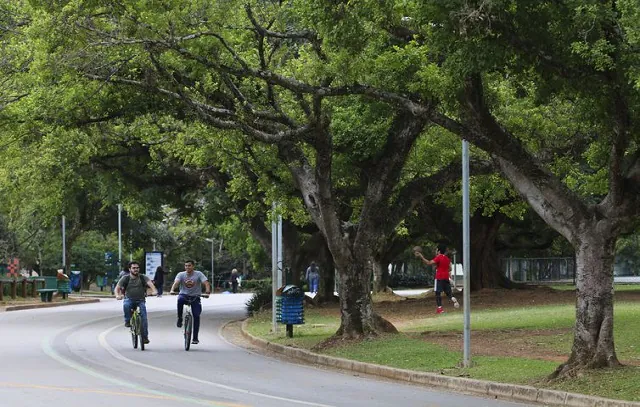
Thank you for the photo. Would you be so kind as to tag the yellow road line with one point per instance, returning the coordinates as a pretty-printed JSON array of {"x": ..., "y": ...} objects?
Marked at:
[
  {"x": 47, "y": 347},
  {"x": 76, "y": 390},
  {"x": 111, "y": 393}
]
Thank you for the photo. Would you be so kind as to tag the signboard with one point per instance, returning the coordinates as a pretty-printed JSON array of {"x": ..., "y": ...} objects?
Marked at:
[{"x": 153, "y": 260}]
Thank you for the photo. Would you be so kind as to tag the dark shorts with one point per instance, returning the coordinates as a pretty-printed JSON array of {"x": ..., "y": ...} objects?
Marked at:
[{"x": 442, "y": 285}]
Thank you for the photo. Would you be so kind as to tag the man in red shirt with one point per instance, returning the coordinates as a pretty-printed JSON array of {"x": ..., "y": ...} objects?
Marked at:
[{"x": 442, "y": 283}]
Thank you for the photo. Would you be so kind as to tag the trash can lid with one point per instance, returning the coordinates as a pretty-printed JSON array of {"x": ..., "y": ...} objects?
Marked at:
[{"x": 291, "y": 290}]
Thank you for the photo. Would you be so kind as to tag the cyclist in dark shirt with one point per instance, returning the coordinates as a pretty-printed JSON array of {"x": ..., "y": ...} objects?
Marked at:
[{"x": 134, "y": 288}]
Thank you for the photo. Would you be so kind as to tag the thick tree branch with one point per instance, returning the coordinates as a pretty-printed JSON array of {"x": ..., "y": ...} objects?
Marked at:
[
  {"x": 553, "y": 201},
  {"x": 307, "y": 35},
  {"x": 417, "y": 190},
  {"x": 401, "y": 136}
]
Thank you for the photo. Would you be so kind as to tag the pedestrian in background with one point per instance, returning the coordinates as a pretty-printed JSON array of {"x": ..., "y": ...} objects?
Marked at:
[
  {"x": 158, "y": 280},
  {"x": 312, "y": 276},
  {"x": 234, "y": 280}
]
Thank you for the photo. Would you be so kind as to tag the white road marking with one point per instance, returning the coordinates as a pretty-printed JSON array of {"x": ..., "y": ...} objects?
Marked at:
[
  {"x": 47, "y": 347},
  {"x": 103, "y": 342}
]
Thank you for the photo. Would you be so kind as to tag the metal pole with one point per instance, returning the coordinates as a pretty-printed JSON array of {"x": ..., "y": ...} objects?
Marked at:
[
  {"x": 64, "y": 244},
  {"x": 280, "y": 262},
  {"x": 119, "y": 238},
  {"x": 466, "y": 254},
  {"x": 274, "y": 272},
  {"x": 455, "y": 269},
  {"x": 212, "y": 280}
]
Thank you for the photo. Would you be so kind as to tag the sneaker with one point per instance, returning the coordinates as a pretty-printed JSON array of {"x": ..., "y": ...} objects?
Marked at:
[
  {"x": 127, "y": 324},
  {"x": 456, "y": 304},
  {"x": 195, "y": 341},
  {"x": 179, "y": 323},
  {"x": 145, "y": 340},
  {"x": 439, "y": 310}
]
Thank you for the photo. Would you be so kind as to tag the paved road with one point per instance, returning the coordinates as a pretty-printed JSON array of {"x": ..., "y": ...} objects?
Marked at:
[{"x": 82, "y": 355}]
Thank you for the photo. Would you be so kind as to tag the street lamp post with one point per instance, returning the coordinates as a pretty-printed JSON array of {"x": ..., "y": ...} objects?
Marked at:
[
  {"x": 212, "y": 250},
  {"x": 64, "y": 244},
  {"x": 119, "y": 238}
]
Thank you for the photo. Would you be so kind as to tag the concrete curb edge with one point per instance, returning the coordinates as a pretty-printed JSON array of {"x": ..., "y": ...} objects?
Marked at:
[
  {"x": 50, "y": 304},
  {"x": 503, "y": 391}
]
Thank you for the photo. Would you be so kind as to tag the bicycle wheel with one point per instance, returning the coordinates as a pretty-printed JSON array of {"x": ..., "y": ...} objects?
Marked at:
[
  {"x": 139, "y": 329},
  {"x": 133, "y": 329},
  {"x": 187, "y": 331}
]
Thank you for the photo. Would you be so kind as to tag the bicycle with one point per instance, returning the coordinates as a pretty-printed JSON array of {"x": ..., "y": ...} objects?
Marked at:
[
  {"x": 136, "y": 328},
  {"x": 187, "y": 321}
]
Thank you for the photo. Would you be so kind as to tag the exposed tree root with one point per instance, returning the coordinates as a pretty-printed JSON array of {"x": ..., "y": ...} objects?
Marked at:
[
  {"x": 570, "y": 369},
  {"x": 382, "y": 326}
]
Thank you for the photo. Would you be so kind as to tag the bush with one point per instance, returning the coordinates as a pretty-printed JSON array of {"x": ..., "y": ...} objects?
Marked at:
[
  {"x": 412, "y": 280},
  {"x": 250, "y": 285},
  {"x": 261, "y": 296}
]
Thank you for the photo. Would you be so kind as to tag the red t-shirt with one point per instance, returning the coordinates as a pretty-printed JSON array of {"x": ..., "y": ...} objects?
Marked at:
[{"x": 442, "y": 267}]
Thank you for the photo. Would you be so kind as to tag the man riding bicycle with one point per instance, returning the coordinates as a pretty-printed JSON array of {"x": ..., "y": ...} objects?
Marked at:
[
  {"x": 134, "y": 287},
  {"x": 190, "y": 282}
]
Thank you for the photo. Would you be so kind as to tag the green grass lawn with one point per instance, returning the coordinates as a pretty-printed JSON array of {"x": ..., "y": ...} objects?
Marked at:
[{"x": 411, "y": 351}]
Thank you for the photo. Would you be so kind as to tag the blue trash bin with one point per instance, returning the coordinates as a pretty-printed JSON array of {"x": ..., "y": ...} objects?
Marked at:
[
  {"x": 75, "y": 279},
  {"x": 290, "y": 307}
]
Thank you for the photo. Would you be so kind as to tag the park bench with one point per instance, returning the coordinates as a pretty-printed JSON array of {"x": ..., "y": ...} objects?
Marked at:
[
  {"x": 46, "y": 294},
  {"x": 63, "y": 287}
]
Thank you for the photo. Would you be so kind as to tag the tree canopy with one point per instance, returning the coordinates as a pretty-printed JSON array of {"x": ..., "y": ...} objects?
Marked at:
[{"x": 353, "y": 106}]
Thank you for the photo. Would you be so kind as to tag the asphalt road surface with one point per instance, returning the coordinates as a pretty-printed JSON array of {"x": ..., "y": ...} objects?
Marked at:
[{"x": 81, "y": 355}]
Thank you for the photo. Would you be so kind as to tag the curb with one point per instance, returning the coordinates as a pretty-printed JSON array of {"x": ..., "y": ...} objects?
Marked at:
[
  {"x": 503, "y": 391},
  {"x": 49, "y": 305}
]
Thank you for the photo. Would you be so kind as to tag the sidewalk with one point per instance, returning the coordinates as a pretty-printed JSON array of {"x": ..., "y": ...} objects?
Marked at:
[{"x": 503, "y": 391}]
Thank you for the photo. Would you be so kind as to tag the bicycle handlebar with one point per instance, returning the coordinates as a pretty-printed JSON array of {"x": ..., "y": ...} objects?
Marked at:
[{"x": 201, "y": 295}]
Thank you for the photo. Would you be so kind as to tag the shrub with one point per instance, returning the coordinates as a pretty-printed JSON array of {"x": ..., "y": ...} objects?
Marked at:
[
  {"x": 261, "y": 296},
  {"x": 251, "y": 285}
]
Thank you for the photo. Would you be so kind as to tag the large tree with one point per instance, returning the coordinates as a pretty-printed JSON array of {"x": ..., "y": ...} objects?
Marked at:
[
  {"x": 462, "y": 65},
  {"x": 548, "y": 88},
  {"x": 194, "y": 63},
  {"x": 537, "y": 74}
]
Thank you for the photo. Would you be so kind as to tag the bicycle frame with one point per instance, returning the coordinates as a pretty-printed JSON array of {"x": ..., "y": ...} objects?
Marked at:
[
  {"x": 187, "y": 322},
  {"x": 187, "y": 325},
  {"x": 136, "y": 328}
]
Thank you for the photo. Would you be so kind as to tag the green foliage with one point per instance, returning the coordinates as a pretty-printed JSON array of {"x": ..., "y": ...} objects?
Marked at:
[
  {"x": 88, "y": 255},
  {"x": 261, "y": 297},
  {"x": 250, "y": 285}
]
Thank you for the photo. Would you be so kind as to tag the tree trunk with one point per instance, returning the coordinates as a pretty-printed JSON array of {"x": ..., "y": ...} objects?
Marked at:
[
  {"x": 485, "y": 267},
  {"x": 385, "y": 279},
  {"x": 380, "y": 276},
  {"x": 593, "y": 345},
  {"x": 327, "y": 283},
  {"x": 356, "y": 308}
]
